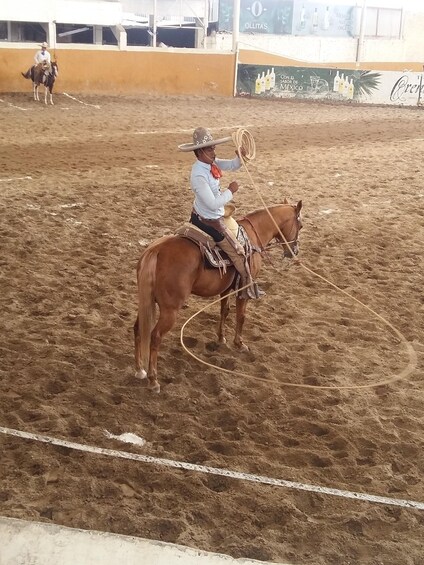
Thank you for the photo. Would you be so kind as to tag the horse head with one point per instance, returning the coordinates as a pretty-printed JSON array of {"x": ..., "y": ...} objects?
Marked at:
[
  {"x": 281, "y": 223},
  {"x": 289, "y": 221}
]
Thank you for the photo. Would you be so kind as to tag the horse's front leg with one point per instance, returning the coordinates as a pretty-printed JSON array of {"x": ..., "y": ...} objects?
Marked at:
[
  {"x": 166, "y": 321},
  {"x": 241, "y": 304},
  {"x": 225, "y": 309},
  {"x": 35, "y": 91},
  {"x": 48, "y": 94}
]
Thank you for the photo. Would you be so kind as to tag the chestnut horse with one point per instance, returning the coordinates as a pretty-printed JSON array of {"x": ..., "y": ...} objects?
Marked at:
[{"x": 172, "y": 268}]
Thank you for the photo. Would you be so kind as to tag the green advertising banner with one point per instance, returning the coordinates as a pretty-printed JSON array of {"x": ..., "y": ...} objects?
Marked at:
[
  {"x": 397, "y": 88},
  {"x": 311, "y": 83}
]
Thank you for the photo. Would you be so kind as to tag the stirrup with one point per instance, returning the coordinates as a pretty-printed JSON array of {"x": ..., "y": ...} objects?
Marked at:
[
  {"x": 258, "y": 291},
  {"x": 252, "y": 292}
]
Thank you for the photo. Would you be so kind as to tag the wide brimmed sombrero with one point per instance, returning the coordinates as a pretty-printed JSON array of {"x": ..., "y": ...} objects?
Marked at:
[
  {"x": 202, "y": 137},
  {"x": 44, "y": 44}
]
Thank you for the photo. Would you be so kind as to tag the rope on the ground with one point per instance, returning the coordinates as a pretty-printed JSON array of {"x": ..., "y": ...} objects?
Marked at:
[{"x": 244, "y": 139}]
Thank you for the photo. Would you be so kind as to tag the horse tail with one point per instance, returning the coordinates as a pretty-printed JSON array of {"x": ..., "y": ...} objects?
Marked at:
[{"x": 146, "y": 277}]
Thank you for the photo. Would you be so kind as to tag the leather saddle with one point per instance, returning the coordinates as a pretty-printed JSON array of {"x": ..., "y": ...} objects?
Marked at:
[{"x": 212, "y": 254}]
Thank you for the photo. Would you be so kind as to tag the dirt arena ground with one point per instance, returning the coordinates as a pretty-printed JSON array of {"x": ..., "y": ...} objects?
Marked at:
[{"x": 84, "y": 185}]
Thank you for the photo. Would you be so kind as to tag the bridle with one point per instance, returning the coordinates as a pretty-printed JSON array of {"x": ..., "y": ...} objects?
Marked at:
[
  {"x": 278, "y": 240},
  {"x": 292, "y": 241}
]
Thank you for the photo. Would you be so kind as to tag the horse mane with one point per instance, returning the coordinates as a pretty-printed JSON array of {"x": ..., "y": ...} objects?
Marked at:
[{"x": 264, "y": 211}]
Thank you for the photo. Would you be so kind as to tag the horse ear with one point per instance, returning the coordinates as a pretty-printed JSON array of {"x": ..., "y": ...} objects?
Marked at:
[
  {"x": 299, "y": 206},
  {"x": 285, "y": 201}
]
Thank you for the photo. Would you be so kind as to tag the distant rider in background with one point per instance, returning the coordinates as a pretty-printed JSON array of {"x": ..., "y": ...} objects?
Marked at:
[{"x": 42, "y": 57}]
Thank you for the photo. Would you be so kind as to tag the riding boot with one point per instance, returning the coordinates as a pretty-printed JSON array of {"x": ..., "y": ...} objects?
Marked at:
[
  {"x": 240, "y": 263},
  {"x": 27, "y": 74}
]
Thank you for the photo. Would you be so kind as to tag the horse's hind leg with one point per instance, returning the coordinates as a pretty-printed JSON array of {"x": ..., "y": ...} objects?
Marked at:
[
  {"x": 140, "y": 373},
  {"x": 166, "y": 321},
  {"x": 241, "y": 305}
]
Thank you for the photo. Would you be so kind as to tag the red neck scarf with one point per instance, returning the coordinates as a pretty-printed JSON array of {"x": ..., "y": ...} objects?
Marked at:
[{"x": 216, "y": 171}]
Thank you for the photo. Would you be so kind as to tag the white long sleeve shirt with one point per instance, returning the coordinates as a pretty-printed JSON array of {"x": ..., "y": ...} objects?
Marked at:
[
  {"x": 209, "y": 201},
  {"x": 40, "y": 57}
]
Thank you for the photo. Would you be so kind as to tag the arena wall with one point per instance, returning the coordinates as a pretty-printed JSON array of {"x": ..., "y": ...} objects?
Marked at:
[{"x": 176, "y": 71}]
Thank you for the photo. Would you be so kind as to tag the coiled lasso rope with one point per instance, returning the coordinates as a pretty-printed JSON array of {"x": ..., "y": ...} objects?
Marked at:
[{"x": 243, "y": 139}]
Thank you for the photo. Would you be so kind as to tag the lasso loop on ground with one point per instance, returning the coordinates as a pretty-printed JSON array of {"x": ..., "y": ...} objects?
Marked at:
[{"x": 243, "y": 139}]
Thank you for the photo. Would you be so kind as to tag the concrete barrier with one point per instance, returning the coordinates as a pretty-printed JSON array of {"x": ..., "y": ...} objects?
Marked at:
[
  {"x": 105, "y": 71},
  {"x": 35, "y": 543}
]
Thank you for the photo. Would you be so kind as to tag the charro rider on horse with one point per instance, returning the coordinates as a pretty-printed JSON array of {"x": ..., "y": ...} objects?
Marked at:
[
  {"x": 209, "y": 202},
  {"x": 42, "y": 57}
]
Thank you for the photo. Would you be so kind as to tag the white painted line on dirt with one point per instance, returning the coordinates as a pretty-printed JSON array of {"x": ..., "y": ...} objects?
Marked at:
[
  {"x": 13, "y": 105},
  {"x": 153, "y": 132},
  {"x": 412, "y": 140},
  {"x": 73, "y": 205},
  {"x": 16, "y": 178},
  {"x": 215, "y": 470},
  {"x": 80, "y": 101}
]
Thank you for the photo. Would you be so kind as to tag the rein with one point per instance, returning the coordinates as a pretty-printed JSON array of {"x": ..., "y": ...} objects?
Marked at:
[
  {"x": 262, "y": 246},
  {"x": 263, "y": 249}
]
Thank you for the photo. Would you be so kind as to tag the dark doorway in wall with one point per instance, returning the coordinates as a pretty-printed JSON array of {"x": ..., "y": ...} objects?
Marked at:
[
  {"x": 137, "y": 36},
  {"x": 3, "y": 31},
  {"x": 27, "y": 31},
  {"x": 74, "y": 33},
  {"x": 109, "y": 37},
  {"x": 176, "y": 37}
]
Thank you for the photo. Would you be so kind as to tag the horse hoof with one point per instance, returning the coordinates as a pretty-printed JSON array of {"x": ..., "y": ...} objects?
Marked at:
[
  {"x": 141, "y": 374},
  {"x": 243, "y": 347},
  {"x": 154, "y": 388}
]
